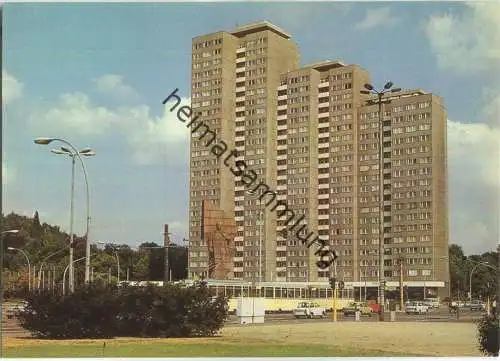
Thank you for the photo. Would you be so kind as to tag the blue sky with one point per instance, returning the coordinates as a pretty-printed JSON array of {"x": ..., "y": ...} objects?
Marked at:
[{"x": 96, "y": 74}]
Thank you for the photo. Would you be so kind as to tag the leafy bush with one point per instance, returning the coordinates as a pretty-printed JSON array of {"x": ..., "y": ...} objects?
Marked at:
[
  {"x": 488, "y": 334},
  {"x": 98, "y": 312},
  {"x": 87, "y": 313}
]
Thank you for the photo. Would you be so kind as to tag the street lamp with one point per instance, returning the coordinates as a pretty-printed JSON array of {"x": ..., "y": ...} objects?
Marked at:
[
  {"x": 27, "y": 260},
  {"x": 2, "y": 233},
  {"x": 117, "y": 259},
  {"x": 66, "y": 270},
  {"x": 72, "y": 153},
  {"x": 44, "y": 261},
  {"x": 369, "y": 89},
  {"x": 486, "y": 264}
]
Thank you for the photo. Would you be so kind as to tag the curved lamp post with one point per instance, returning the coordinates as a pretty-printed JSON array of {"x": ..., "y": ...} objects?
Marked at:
[
  {"x": 72, "y": 153},
  {"x": 45, "y": 260},
  {"x": 2, "y": 233},
  {"x": 486, "y": 264},
  {"x": 66, "y": 270},
  {"x": 369, "y": 89},
  {"x": 117, "y": 259},
  {"x": 27, "y": 260}
]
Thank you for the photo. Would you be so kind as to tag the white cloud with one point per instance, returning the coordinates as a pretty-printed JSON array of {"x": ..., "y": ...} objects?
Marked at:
[
  {"x": 75, "y": 113},
  {"x": 153, "y": 139},
  {"x": 377, "y": 17},
  {"x": 113, "y": 85},
  {"x": 469, "y": 43},
  {"x": 474, "y": 189},
  {"x": 491, "y": 111},
  {"x": 12, "y": 88}
]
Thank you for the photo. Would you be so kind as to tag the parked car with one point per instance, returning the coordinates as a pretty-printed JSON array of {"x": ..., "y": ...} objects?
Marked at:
[
  {"x": 432, "y": 302},
  {"x": 416, "y": 308},
  {"x": 309, "y": 310},
  {"x": 477, "y": 305},
  {"x": 353, "y": 307}
]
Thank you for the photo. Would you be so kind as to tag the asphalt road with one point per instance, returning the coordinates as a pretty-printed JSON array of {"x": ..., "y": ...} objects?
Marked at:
[{"x": 437, "y": 315}]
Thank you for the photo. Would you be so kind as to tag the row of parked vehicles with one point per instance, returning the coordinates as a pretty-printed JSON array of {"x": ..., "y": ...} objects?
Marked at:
[
  {"x": 314, "y": 310},
  {"x": 473, "y": 305}
]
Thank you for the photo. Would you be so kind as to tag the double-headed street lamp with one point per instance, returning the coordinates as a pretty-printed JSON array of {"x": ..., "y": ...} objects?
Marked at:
[
  {"x": 369, "y": 89},
  {"x": 27, "y": 260},
  {"x": 72, "y": 152}
]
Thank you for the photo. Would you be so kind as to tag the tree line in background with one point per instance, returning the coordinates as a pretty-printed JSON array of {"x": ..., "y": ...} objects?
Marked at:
[
  {"x": 146, "y": 263},
  {"x": 48, "y": 244}
]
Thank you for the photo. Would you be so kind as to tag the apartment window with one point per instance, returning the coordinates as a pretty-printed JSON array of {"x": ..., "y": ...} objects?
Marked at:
[{"x": 412, "y": 272}]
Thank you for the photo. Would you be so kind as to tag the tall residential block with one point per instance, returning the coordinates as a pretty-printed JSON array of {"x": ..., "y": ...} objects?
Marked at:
[
  {"x": 235, "y": 76},
  {"x": 312, "y": 138}
]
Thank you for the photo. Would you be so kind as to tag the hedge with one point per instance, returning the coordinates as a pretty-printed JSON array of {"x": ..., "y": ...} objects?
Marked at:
[
  {"x": 488, "y": 334},
  {"x": 99, "y": 312}
]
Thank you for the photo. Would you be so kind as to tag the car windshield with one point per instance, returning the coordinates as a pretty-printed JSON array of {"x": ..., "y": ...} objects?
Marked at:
[{"x": 303, "y": 305}]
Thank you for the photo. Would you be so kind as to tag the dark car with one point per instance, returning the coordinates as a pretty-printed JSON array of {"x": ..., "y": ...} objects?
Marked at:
[
  {"x": 354, "y": 307},
  {"x": 476, "y": 306}
]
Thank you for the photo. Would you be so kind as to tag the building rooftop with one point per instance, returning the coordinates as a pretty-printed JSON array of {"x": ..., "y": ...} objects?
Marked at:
[
  {"x": 324, "y": 65},
  {"x": 259, "y": 26}
]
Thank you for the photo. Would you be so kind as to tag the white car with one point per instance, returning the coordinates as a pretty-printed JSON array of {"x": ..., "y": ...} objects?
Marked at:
[
  {"x": 416, "y": 308},
  {"x": 309, "y": 310},
  {"x": 432, "y": 302}
]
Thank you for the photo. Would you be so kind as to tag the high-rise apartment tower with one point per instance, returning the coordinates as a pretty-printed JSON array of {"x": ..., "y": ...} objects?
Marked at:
[{"x": 310, "y": 136}]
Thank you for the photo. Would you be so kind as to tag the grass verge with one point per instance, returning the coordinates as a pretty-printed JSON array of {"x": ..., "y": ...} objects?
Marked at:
[{"x": 180, "y": 349}]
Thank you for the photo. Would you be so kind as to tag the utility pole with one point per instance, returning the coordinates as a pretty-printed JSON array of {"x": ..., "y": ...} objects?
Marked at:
[
  {"x": 333, "y": 284},
  {"x": 166, "y": 244},
  {"x": 71, "y": 236},
  {"x": 401, "y": 285},
  {"x": 261, "y": 227}
]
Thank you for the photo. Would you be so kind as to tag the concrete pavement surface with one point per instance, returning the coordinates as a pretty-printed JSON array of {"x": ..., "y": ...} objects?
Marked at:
[{"x": 428, "y": 339}]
